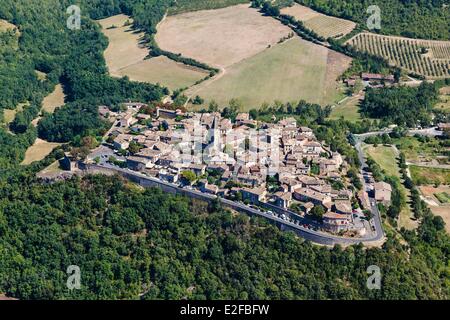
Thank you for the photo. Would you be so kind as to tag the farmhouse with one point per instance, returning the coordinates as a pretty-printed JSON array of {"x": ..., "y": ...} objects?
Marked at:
[{"x": 383, "y": 192}]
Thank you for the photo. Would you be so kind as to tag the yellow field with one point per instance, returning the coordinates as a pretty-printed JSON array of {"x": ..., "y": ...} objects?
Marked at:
[
  {"x": 424, "y": 57},
  {"x": 38, "y": 151},
  {"x": 386, "y": 158},
  {"x": 125, "y": 57},
  {"x": 220, "y": 37},
  {"x": 53, "y": 100},
  {"x": 323, "y": 25},
  {"x": 293, "y": 70}
]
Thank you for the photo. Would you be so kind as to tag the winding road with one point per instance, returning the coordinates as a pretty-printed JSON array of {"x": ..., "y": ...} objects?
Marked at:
[{"x": 373, "y": 238}]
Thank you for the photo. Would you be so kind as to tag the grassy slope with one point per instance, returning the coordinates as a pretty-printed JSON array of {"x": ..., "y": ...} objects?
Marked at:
[{"x": 444, "y": 103}]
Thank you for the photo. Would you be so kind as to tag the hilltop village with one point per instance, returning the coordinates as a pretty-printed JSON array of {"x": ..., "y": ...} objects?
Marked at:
[{"x": 277, "y": 164}]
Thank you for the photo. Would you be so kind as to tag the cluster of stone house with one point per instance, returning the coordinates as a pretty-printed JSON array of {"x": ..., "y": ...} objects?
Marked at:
[{"x": 241, "y": 154}]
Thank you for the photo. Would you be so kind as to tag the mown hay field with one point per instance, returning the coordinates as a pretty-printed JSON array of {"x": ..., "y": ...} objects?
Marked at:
[
  {"x": 125, "y": 56},
  {"x": 323, "y": 25},
  {"x": 10, "y": 114},
  {"x": 440, "y": 209},
  {"x": 425, "y": 57},
  {"x": 5, "y": 25}
]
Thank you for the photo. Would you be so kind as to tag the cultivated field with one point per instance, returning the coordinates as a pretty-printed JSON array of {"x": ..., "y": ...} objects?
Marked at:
[
  {"x": 424, "y": 57},
  {"x": 323, "y": 25},
  {"x": 53, "y": 100},
  {"x": 125, "y": 57},
  {"x": 431, "y": 195},
  {"x": 38, "y": 151},
  {"x": 220, "y": 37},
  {"x": 293, "y": 70}
]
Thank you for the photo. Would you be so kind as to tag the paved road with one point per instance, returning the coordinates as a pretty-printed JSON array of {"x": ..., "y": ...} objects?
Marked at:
[
  {"x": 376, "y": 213},
  {"x": 311, "y": 235}
]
